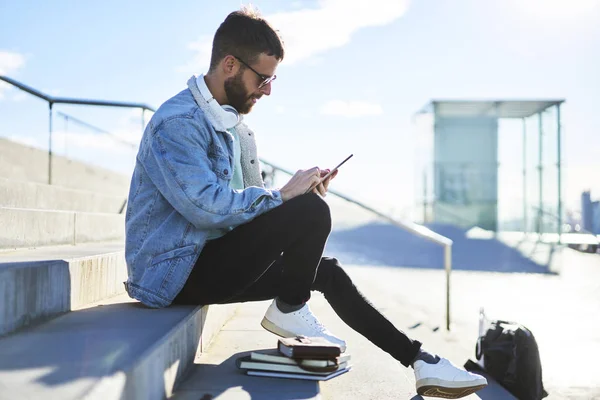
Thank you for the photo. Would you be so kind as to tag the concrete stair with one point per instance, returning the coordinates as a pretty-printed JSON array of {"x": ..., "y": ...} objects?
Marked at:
[
  {"x": 36, "y": 214},
  {"x": 115, "y": 349},
  {"x": 68, "y": 330},
  {"x": 27, "y": 227},
  {"x": 22, "y": 194},
  {"x": 42, "y": 283},
  {"x": 29, "y": 164}
]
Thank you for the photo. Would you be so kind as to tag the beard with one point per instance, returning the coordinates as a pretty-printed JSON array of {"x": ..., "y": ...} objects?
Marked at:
[{"x": 237, "y": 95}]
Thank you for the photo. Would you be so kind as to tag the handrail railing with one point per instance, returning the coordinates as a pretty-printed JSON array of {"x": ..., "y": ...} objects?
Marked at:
[
  {"x": 51, "y": 100},
  {"x": 411, "y": 227},
  {"x": 94, "y": 128},
  {"x": 71, "y": 100}
]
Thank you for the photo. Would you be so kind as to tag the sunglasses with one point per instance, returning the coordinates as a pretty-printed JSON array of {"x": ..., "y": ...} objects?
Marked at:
[{"x": 264, "y": 79}]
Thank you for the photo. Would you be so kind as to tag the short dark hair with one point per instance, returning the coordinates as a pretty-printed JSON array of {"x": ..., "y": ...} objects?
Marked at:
[{"x": 245, "y": 34}]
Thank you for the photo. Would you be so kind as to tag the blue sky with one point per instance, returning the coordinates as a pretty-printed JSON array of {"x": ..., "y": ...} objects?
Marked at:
[{"x": 354, "y": 75}]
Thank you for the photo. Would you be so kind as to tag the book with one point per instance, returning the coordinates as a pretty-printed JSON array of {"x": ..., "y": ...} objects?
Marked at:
[
  {"x": 298, "y": 376},
  {"x": 247, "y": 363},
  {"x": 274, "y": 356},
  {"x": 308, "y": 347}
]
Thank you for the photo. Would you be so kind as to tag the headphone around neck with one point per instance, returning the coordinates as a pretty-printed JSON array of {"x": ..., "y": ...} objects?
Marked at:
[{"x": 228, "y": 115}]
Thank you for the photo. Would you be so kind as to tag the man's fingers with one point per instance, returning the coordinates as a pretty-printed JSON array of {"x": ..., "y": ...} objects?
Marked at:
[
  {"x": 322, "y": 190},
  {"x": 324, "y": 172}
]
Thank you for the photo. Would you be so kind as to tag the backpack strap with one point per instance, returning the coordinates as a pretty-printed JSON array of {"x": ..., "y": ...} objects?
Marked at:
[{"x": 510, "y": 376}]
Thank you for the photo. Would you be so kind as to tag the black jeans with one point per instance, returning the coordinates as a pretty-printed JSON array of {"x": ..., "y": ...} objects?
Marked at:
[{"x": 280, "y": 254}]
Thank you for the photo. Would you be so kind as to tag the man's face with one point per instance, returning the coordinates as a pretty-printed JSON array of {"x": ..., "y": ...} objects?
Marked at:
[{"x": 242, "y": 89}]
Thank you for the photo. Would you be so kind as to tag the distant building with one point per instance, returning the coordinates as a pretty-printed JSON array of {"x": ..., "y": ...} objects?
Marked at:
[
  {"x": 587, "y": 216},
  {"x": 590, "y": 213},
  {"x": 596, "y": 217}
]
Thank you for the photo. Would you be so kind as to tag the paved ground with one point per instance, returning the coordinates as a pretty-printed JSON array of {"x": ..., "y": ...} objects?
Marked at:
[{"x": 553, "y": 292}]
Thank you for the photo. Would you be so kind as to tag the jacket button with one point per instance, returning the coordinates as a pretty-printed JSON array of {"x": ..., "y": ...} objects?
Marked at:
[
  {"x": 249, "y": 134},
  {"x": 251, "y": 161},
  {"x": 226, "y": 172}
]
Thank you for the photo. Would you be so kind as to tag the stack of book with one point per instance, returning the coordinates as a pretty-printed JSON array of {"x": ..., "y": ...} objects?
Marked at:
[{"x": 297, "y": 358}]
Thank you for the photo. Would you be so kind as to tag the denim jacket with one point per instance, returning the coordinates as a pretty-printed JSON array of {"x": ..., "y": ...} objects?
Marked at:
[{"x": 179, "y": 192}]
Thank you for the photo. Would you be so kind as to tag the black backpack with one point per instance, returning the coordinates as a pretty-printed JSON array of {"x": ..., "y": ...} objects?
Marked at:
[{"x": 511, "y": 356}]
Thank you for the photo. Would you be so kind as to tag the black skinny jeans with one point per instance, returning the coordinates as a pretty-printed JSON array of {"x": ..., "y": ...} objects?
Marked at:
[{"x": 280, "y": 254}]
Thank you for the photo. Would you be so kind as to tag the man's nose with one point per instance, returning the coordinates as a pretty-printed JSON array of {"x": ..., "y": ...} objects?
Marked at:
[{"x": 266, "y": 90}]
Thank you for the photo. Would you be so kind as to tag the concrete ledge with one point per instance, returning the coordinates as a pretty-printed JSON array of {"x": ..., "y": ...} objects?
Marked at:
[
  {"x": 38, "y": 284},
  {"x": 26, "y": 228},
  {"x": 119, "y": 350},
  {"x": 50, "y": 197},
  {"x": 25, "y": 163}
]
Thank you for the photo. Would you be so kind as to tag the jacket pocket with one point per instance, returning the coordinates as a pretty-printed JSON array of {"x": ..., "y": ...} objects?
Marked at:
[
  {"x": 177, "y": 253},
  {"x": 222, "y": 168}
]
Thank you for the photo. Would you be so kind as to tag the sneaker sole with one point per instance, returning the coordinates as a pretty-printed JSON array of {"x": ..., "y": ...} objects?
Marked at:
[
  {"x": 445, "y": 392},
  {"x": 271, "y": 327}
]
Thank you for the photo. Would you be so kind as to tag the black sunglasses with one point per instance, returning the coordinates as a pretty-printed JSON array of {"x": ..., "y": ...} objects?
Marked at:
[{"x": 265, "y": 80}]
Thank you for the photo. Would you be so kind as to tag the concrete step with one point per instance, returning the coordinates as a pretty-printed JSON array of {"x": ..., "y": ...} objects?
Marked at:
[
  {"x": 41, "y": 283},
  {"x": 113, "y": 350},
  {"x": 25, "y": 163},
  {"x": 21, "y": 194},
  {"x": 26, "y": 228}
]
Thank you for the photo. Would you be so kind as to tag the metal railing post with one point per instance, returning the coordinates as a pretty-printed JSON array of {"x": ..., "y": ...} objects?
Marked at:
[
  {"x": 448, "y": 268},
  {"x": 50, "y": 143},
  {"x": 559, "y": 172}
]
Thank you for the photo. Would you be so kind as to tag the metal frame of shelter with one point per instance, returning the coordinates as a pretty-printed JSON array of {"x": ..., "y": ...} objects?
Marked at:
[{"x": 515, "y": 109}]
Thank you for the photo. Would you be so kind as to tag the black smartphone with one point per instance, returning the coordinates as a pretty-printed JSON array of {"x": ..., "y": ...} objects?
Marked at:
[{"x": 329, "y": 174}]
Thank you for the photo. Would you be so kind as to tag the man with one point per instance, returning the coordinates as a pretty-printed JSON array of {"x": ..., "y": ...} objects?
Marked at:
[{"x": 203, "y": 229}]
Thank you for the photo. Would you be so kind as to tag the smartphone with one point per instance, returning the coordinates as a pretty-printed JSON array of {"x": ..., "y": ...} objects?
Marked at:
[{"x": 329, "y": 174}]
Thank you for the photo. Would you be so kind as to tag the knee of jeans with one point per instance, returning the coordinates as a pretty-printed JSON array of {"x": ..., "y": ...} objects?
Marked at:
[
  {"x": 319, "y": 208},
  {"x": 330, "y": 274}
]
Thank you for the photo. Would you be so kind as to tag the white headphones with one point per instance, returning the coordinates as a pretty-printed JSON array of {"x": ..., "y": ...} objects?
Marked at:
[{"x": 226, "y": 114}]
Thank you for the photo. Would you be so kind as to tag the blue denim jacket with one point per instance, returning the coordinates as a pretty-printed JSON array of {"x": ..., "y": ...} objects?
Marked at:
[{"x": 179, "y": 192}]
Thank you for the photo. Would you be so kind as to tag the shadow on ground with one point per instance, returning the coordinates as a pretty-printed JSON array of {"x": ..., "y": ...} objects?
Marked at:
[
  {"x": 387, "y": 245},
  {"x": 226, "y": 377}
]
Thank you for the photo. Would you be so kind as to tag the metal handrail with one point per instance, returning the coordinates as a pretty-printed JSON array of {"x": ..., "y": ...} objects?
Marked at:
[
  {"x": 94, "y": 128},
  {"x": 411, "y": 227},
  {"x": 51, "y": 100},
  {"x": 71, "y": 100}
]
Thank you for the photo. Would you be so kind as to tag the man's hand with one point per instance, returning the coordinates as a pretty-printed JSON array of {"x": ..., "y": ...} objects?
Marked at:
[
  {"x": 300, "y": 183},
  {"x": 322, "y": 188}
]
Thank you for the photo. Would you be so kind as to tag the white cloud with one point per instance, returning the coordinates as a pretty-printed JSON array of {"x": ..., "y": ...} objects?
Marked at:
[
  {"x": 308, "y": 32},
  {"x": 9, "y": 63},
  {"x": 351, "y": 108}
]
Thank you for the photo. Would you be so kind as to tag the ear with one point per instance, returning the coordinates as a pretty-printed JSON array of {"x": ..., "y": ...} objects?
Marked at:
[{"x": 229, "y": 65}]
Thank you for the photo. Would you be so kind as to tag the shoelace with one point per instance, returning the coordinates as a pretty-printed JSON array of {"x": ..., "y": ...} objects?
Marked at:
[{"x": 312, "y": 320}]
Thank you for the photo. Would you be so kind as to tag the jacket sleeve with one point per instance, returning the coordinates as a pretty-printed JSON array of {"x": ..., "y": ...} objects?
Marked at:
[{"x": 176, "y": 159}]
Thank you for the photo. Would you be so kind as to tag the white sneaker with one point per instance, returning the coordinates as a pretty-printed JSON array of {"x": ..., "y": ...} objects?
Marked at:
[
  {"x": 301, "y": 322},
  {"x": 446, "y": 380}
]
